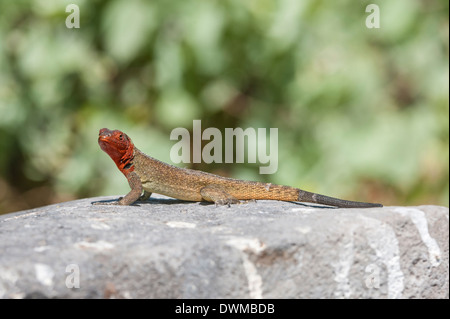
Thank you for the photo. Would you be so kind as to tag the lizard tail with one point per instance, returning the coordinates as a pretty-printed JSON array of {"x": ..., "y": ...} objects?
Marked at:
[
  {"x": 304, "y": 196},
  {"x": 256, "y": 190}
]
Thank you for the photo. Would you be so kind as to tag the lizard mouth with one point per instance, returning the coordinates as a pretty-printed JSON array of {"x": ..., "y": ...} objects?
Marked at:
[
  {"x": 104, "y": 136},
  {"x": 104, "y": 139}
]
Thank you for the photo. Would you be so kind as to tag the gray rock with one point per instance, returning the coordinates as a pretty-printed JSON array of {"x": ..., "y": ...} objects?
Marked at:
[{"x": 166, "y": 248}]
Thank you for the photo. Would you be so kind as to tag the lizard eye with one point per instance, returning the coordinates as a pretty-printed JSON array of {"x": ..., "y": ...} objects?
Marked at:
[{"x": 120, "y": 136}]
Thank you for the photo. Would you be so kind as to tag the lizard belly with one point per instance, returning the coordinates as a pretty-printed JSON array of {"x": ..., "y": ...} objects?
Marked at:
[{"x": 172, "y": 191}]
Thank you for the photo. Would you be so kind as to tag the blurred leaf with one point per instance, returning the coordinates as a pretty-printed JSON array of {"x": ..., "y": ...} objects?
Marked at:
[
  {"x": 177, "y": 109},
  {"x": 127, "y": 26}
]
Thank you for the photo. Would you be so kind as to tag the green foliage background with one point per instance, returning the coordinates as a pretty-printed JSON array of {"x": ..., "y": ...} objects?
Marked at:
[{"x": 361, "y": 113}]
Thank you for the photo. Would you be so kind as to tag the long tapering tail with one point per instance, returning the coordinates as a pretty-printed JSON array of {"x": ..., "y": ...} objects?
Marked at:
[
  {"x": 304, "y": 196},
  {"x": 255, "y": 190}
]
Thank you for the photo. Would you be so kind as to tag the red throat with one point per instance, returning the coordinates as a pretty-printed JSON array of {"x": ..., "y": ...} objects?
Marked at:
[{"x": 119, "y": 147}]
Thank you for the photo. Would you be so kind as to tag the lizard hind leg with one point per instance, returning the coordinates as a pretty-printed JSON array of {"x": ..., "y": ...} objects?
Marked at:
[{"x": 218, "y": 195}]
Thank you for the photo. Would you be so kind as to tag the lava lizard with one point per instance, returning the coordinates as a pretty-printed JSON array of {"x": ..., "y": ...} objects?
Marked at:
[{"x": 147, "y": 175}]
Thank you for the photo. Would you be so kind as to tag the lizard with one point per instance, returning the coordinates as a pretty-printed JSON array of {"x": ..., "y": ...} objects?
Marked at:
[{"x": 147, "y": 175}]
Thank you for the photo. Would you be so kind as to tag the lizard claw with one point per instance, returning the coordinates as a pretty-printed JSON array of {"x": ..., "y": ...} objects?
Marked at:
[
  {"x": 226, "y": 201},
  {"x": 105, "y": 203},
  {"x": 108, "y": 202}
]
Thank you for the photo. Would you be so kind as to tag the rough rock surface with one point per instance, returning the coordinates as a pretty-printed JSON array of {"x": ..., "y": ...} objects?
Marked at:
[{"x": 166, "y": 248}]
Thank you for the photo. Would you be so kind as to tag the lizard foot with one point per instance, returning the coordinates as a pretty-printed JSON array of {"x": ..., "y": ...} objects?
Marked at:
[
  {"x": 246, "y": 201},
  {"x": 227, "y": 201},
  {"x": 218, "y": 195}
]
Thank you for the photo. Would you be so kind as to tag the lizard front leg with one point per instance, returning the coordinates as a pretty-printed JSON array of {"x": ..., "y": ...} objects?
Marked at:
[
  {"x": 136, "y": 190},
  {"x": 217, "y": 194},
  {"x": 145, "y": 196}
]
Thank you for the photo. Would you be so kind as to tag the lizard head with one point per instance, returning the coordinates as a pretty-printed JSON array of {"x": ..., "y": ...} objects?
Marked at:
[{"x": 119, "y": 147}]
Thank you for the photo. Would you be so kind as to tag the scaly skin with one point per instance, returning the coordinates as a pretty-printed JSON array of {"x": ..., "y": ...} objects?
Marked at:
[{"x": 147, "y": 175}]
